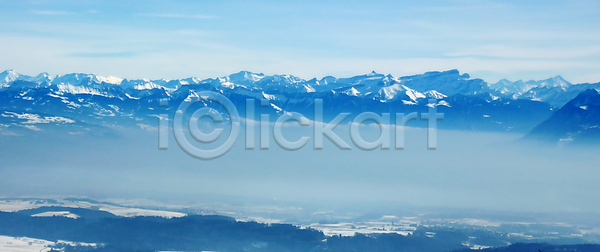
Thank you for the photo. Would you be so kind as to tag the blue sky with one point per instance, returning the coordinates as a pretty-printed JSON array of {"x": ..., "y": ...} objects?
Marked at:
[{"x": 179, "y": 39}]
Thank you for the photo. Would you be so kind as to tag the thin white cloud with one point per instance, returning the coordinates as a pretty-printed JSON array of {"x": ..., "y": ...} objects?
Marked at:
[
  {"x": 50, "y": 12},
  {"x": 500, "y": 51},
  {"x": 176, "y": 15},
  {"x": 531, "y": 35},
  {"x": 470, "y": 6}
]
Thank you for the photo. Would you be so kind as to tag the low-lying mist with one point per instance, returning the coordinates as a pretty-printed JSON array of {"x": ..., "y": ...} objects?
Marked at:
[{"x": 468, "y": 170}]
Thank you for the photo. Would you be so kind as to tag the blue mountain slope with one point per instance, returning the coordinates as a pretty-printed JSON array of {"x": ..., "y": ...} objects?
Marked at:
[{"x": 578, "y": 121}]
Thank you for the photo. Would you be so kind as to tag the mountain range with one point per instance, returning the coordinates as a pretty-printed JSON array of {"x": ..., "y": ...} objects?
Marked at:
[{"x": 86, "y": 103}]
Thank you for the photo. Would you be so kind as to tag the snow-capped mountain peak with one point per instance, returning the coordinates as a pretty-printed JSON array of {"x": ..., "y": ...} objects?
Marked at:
[
  {"x": 10, "y": 75},
  {"x": 556, "y": 81},
  {"x": 142, "y": 84},
  {"x": 43, "y": 77},
  {"x": 77, "y": 79},
  {"x": 109, "y": 79},
  {"x": 449, "y": 82},
  {"x": 435, "y": 95},
  {"x": 245, "y": 76},
  {"x": 351, "y": 92},
  {"x": 515, "y": 88}
]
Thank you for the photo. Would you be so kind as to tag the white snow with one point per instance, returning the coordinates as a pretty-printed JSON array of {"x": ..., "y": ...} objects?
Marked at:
[
  {"x": 59, "y": 213},
  {"x": 132, "y": 212},
  {"x": 309, "y": 89},
  {"x": 476, "y": 222},
  {"x": 114, "y": 107},
  {"x": 475, "y": 246},
  {"x": 192, "y": 96},
  {"x": 131, "y": 97},
  {"x": 70, "y": 103},
  {"x": 18, "y": 205},
  {"x": 74, "y": 244},
  {"x": 109, "y": 79},
  {"x": 351, "y": 92},
  {"x": 9, "y": 76},
  {"x": 435, "y": 94},
  {"x": 389, "y": 92},
  {"x": 24, "y": 244},
  {"x": 443, "y": 103},
  {"x": 227, "y": 84},
  {"x": 414, "y": 95},
  {"x": 56, "y": 96},
  {"x": 275, "y": 107},
  {"x": 259, "y": 220},
  {"x": 269, "y": 97},
  {"x": 255, "y": 77},
  {"x": 33, "y": 118},
  {"x": 68, "y": 88},
  {"x": 146, "y": 85},
  {"x": 389, "y": 224}
]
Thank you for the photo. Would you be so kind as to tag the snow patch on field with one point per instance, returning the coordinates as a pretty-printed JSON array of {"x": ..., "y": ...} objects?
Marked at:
[
  {"x": 24, "y": 244},
  {"x": 132, "y": 212},
  {"x": 476, "y": 222},
  {"x": 475, "y": 246},
  {"x": 61, "y": 213},
  {"x": 388, "y": 224},
  {"x": 18, "y": 205}
]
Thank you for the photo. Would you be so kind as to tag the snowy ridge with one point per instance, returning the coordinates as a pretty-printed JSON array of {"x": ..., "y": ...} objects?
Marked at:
[
  {"x": 370, "y": 86},
  {"x": 375, "y": 86},
  {"x": 435, "y": 95},
  {"x": 71, "y": 89}
]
